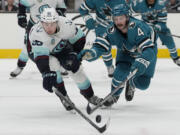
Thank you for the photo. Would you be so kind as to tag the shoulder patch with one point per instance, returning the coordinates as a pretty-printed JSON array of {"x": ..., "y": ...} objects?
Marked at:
[
  {"x": 111, "y": 30},
  {"x": 132, "y": 25}
]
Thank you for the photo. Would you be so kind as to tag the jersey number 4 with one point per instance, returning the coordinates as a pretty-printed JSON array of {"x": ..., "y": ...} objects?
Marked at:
[{"x": 140, "y": 32}]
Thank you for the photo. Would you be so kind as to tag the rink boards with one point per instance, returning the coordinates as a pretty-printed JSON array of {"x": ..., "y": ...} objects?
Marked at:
[{"x": 12, "y": 35}]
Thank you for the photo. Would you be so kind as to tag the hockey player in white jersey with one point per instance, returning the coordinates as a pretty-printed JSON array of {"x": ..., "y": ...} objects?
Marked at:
[
  {"x": 36, "y": 7},
  {"x": 56, "y": 41}
]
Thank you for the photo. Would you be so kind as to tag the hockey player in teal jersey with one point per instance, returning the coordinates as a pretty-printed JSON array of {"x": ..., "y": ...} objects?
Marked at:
[
  {"x": 102, "y": 9},
  {"x": 154, "y": 13},
  {"x": 136, "y": 49}
]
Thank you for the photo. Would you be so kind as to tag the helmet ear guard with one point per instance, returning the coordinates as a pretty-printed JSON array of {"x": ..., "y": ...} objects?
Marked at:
[{"x": 49, "y": 15}]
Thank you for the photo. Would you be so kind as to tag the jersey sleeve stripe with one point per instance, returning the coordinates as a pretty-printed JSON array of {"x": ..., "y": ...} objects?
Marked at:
[
  {"x": 94, "y": 52},
  {"x": 82, "y": 7},
  {"x": 107, "y": 55},
  {"x": 162, "y": 18},
  {"x": 151, "y": 45},
  {"x": 144, "y": 42},
  {"x": 153, "y": 35},
  {"x": 101, "y": 44},
  {"x": 102, "y": 39},
  {"x": 86, "y": 6}
]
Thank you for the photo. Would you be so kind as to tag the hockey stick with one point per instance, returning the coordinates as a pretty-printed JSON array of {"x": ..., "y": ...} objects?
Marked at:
[
  {"x": 168, "y": 34},
  {"x": 91, "y": 110},
  {"x": 81, "y": 25},
  {"x": 100, "y": 129},
  {"x": 74, "y": 18}
]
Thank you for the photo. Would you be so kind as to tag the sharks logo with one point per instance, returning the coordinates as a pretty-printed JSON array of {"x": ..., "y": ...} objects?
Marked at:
[
  {"x": 111, "y": 30},
  {"x": 132, "y": 25}
]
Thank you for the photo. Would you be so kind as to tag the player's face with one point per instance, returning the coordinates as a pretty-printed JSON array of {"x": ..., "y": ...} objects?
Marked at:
[
  {"x": 150, "y": 2},
  {"x": 173, "y": 2},
  {"x": 10, "y": 2},
  {"x": 120, "y": 22},
  {"x": 50, "y": 28}
]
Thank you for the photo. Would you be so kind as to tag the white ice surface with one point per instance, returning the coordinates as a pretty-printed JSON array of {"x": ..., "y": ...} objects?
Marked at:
[{"x": 27, "y": 109}]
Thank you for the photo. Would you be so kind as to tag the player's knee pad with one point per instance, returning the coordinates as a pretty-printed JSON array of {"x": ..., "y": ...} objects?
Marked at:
[
  {"x": 80, "y": 79},
  {"x": 71, "y": 62},
  {"x": 54, "y": 63},
  {"x": 24, "y": 55},
  {"x": 142, "y": 82},
  {"x": 82, "y": 83},
  {"x": 79, "y": 76}
]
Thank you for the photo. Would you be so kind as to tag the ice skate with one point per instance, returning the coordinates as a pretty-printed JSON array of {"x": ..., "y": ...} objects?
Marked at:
[
  {"x": 110, "y": 70},
  {"x": 95, "y": 100},
  {"x": 16, "y": 72},
  {"x": 177, "y": 61},
  {"x": 129, "y": 91},
  {"x": 65, "y": 104},
  {"x": 111, "y": 101}
]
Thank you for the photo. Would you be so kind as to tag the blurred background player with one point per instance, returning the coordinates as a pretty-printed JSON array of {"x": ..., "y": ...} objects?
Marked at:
[
  {"x": 56, "y": 41},
  {"x": 36, "y": 7},
  {"x": 175, "y": 5},
  {"x": 154, "y": 12},
  {"x": 102, "y": 10},
  {"x": 10, "y": 7},
  {"x": 136, "y": 49}
]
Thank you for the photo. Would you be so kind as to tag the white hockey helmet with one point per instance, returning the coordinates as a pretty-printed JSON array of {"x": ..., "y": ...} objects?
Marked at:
[{"x": 49, "y": 15}]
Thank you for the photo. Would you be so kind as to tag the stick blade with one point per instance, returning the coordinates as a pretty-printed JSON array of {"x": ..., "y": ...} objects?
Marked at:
[{"x": 103, "y": 128}]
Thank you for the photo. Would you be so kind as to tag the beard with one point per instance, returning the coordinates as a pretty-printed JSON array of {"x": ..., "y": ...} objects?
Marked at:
[
  {"x": 151, "y": 2},
  {"x": 121, "y": 26}
]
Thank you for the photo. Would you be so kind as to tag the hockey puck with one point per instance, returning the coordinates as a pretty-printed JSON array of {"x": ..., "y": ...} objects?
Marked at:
[{"x": 98, "y": 118}]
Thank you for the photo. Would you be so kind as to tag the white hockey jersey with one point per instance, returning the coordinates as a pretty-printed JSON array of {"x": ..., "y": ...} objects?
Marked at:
[
  {"x": 44, "y": 44},
  {"x": 37, "y": 6}
]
